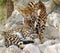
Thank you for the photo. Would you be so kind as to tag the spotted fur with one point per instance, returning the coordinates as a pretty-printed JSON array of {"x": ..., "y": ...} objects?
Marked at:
[
  {"x": 38, "y": 14},
  {"x": 11, "y": 39}
]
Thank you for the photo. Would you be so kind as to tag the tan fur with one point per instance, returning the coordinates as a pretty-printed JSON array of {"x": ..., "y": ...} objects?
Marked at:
[{"x": 40, "y": 17}]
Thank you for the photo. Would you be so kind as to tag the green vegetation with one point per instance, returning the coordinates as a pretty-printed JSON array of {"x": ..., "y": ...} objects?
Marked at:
[
  {"x": 2, "y": 16},
  {"x": 2, "y": 10},
  {"x": 3, "y": 3}
]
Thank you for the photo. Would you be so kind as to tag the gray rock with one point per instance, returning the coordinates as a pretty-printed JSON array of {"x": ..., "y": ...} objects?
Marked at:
[
  {"x": 12, "y": 49},
  {"x": 53, "y": 49},
  {"x": 57, "y": 2},
  {"x": 2, "y": 41},
  {"x": 53, "y": 26},
  {"x": 47, "y": 44},
  {"x": 15, "y": 19},
  {"x": 37, "y": 41},
  {"x": 31, "y": 48},
  {"x": 2, "y": 49},
  {"x": 51, "y": 33},
  {"x": 50, "y": 5}
]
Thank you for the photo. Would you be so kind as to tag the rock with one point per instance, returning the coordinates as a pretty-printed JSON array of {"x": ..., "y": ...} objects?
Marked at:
[
  {"x": 51, "y": 42},
  {"x": 50, "y": 5},
  {"x": 12, "y": 49},
  {"x": 2, "y": 49},
  {"x": 42, "y": 47},
  {"x": 48, "y": 43},
  {"x": 57, "y": 41},
  {"x": 53, "y": 19},
  {"x": 10, "y": 26},
  {"x": 15, "y": 19},
  {"x": 52, "y": 26},
  {"x": 31, "y": 48},
  {"x": 53, "y": 49},
  {"x": 13, "y": 26},
  {"x": 2, "y": 41},
  {"x": 57, "y": 2},
  {"x": 37, "y": 41},
  {"x": 51, "y": 33}
]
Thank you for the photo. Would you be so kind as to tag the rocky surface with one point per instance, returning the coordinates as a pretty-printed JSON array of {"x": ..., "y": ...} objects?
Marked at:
[
  {"x": 51, "y": 41},
  {"x": 12, "y": 49},
  {"x": 53, "y": 49},
  {"x": 57, "y": 2},
  {"x": 30, "y": 48}
]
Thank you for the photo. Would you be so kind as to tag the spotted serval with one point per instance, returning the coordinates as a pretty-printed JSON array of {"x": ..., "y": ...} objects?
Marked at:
[{"x": 37, "y": 12}]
